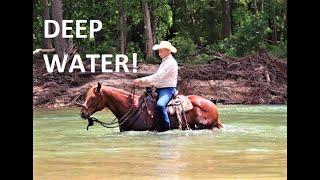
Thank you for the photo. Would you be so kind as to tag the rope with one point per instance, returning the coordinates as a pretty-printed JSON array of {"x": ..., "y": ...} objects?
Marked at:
[
  {"x": 176, "y": 106},
  {"x": 185, "y": 117},
  {"x": 108, "y": 125},
  {"x": 121, "y": 121},
  {"x": 131, "y": 112}
]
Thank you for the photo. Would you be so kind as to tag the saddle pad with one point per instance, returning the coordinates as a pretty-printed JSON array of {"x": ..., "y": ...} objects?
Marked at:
[{"x": 181, "y": 102}]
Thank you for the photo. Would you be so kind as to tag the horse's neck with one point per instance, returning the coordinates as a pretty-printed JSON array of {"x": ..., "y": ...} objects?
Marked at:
[{"x": 116, "y": 100}]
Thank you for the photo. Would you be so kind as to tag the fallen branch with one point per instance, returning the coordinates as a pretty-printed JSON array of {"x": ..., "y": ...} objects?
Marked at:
[{"x": 40, "y": 51}]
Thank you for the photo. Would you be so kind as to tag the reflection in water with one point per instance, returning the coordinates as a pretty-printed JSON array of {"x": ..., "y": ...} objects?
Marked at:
[
  {"x": 252, "y": 145},
  {"x": 169, "y": 157}
]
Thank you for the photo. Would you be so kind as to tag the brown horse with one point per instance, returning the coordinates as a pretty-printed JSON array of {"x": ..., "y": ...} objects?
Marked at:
[{"x": 203, "y": 115}]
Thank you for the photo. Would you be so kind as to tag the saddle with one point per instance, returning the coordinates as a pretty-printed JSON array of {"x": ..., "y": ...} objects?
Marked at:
[{"x": 178, "y": 105}]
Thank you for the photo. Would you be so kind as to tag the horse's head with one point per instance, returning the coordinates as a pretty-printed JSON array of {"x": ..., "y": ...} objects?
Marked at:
[{"x": 93, "y": 101}]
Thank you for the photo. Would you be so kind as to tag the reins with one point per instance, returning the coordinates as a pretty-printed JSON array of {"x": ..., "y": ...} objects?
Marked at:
[
  {"x": 109, "y": 125},
  {"x": 132, "y": 111},
  {"x": 117, "y": 121}
]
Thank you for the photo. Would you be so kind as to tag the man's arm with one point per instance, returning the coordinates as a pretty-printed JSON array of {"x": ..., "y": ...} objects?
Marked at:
[
  {"x": 137, "y": 82},
  {"x": 162, "y": 72}
]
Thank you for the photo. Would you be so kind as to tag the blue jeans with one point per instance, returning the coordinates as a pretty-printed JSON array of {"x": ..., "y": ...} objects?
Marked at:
[{"x": 164, "y": 96}]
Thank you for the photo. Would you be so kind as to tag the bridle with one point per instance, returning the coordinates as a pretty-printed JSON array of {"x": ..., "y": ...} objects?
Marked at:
[
  {"x": 84, "y": 105},
  {"x": 117, "y": 121}
]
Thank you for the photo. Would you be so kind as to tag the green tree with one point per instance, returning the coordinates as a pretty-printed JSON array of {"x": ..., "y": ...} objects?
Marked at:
[
  {"x": 46, "y": 42},
  {"x": 226, "y": 18},
  {"x": 147, "y": 28},
  {"x": 60, "y": 44},
  {"x": 235, "y": 27}
]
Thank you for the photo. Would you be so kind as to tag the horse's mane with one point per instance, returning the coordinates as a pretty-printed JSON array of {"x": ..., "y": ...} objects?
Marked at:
[{"x": 119, "y": 90}]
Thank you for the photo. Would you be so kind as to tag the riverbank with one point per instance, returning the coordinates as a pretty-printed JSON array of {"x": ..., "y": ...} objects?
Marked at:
[{"x": 255, "y": 79}]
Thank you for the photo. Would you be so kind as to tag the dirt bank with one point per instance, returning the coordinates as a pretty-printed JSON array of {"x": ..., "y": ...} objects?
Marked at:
[{"x": 256, "y": 79}]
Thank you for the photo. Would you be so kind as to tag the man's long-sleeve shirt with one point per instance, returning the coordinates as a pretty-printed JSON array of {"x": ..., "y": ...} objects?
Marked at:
[{"x": 166, "y": 75}]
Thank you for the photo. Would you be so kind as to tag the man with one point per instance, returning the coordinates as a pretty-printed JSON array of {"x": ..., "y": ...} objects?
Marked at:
[{"x": 165, "y": 79}]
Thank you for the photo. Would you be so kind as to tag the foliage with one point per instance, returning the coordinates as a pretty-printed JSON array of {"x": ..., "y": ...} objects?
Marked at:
[
  {"x": 249, "y": 35},
  {"x": 279, "y": 50},
  {"x": 163, "y": 13},
  {"x": 194, "y": 27},
  {"x": 37, "y": 33},
  {"x": 185, "y": 47}
]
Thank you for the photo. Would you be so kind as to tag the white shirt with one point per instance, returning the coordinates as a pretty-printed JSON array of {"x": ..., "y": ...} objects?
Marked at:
[{"x": 166, "y": 75}]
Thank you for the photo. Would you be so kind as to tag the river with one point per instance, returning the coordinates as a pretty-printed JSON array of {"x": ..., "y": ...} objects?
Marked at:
[{"x": 252, "y": 145}]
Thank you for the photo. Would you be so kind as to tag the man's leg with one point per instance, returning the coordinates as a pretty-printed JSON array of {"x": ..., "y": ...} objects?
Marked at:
[{"x": 164, "y": 96}]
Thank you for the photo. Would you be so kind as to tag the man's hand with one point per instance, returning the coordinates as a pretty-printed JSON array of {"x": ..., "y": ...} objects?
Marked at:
[{"x": 137, "y": 82}]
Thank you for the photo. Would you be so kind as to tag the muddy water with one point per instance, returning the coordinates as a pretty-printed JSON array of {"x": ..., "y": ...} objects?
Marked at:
[{"x": 252, "y": 145}]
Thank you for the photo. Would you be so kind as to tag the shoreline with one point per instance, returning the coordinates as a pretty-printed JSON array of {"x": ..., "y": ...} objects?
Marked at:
[{"x": 255, "y": 79}]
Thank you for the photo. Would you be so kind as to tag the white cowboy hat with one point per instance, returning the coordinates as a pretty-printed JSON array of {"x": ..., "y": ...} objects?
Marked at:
[{"x": 165, "y": 45}]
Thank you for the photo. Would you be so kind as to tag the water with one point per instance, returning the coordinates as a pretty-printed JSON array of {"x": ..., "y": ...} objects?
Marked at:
[{"x": 252, "y": 145}]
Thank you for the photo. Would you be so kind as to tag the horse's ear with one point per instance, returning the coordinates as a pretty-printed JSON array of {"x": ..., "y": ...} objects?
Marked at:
[{"x": 98, "y": 88}]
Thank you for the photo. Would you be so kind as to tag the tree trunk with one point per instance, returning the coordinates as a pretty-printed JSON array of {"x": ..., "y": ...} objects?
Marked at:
[
  {"x": 226, "y": 18},
  {"x": 153, "y": 21},
  {"x": 46, "y": 42},
  {"x": 122, "y": 27},
  {"x": 260, "y": 5},
  {"x": 147, "y": 28},
  {"x": 59, "y": 42},
  {"x": 232, "y": 24},
  {"x": 272, "y": 21},
  {"x": 255, "y": 6},
  {"x": 212, "y": 23},
  {"x": 285, "y": 21}
]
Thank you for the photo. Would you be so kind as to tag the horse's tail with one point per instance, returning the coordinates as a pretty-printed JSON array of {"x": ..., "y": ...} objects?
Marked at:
[{"x": 218, "y": 124}]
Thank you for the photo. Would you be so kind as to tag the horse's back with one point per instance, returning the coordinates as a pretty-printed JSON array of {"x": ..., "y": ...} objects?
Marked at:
[
  {"x": 201, "y": 102},
  {"x": 205, "y": 110}
]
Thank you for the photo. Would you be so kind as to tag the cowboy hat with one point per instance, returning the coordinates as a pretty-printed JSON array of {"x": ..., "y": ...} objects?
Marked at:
[{"x": 165, "y": 45}]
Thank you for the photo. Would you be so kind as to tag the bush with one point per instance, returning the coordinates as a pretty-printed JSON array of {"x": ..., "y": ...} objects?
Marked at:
[
  {"x": 227, "y": 46},
  {"x": 249, "y": 35},
  {"x": 185, "y": 47},
  {"x": 201, "y": 59},
  {"x": 279, "y": 50}
]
